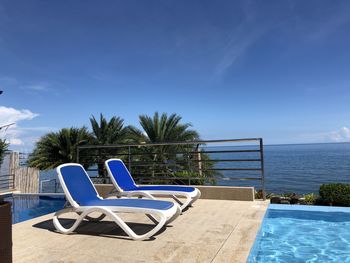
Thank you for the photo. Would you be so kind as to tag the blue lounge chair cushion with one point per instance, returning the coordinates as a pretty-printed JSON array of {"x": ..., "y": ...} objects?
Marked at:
[
  {"x": 121, "y": 175},
  {"x": 84, "y": 193},
  {"x": 187, "y": 189},
  {"x": 78, "y": 184},
  {"x": 124, "y": 180},
  {"x": 138, "y": 203}
]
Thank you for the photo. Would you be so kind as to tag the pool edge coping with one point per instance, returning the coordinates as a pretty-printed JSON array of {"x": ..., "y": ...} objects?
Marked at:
[{"x": 309, "y": 208}]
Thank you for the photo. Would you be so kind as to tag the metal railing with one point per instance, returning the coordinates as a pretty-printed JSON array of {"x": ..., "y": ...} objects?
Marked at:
[
  {"x": 220, "y": 162},
  {"x": 7, "y": 177},
  {"x": 50, "y": 186},
  {"x": 7, "y": 182}
]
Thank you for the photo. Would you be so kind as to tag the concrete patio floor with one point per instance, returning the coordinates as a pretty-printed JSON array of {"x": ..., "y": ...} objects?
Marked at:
[{"x": 210, "y": 231}]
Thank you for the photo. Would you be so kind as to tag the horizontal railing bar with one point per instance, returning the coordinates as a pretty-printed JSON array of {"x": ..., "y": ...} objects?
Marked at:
[
  {"x": 162, "y": 172},
  {"x": 202, "y": 170},
  {"x": 233, "y": 169},
  {"x": 154, "y": 177},
  {"x": 167, "y": 143},
  {"x": 183, "y": 162},
  {"x": 8, "y": 180},
  {"x": 171, "y": 178},
  {"x": 6, "y": 185},
  {"x": 228, "y": 160},
  {"x": 185, "y": 178},
  {"x": 173, "y": 153},
  {"x": 231, "y": 151},
  {"x": 244, "y": 178},
  {"x": 194, "y": 161}
]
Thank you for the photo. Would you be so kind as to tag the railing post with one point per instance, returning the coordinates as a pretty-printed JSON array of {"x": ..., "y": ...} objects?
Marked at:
[
  {"x": 78, "y": 154},
  {"x": 189, "y": 164},
  {"x": 129, "y": 165},
  {"x": 262, "y": 168},
  {"x": 56, "y": 184}
]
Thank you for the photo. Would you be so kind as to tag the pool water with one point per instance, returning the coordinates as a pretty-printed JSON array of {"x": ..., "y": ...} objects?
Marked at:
[
  {"x": 25, "y": 207},
  {"x": 303, "y": 234}
]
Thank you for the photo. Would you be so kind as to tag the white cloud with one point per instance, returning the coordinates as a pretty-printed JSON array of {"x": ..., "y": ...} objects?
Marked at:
[
  {"x": 242, "y": 38},
  {"x": 9, "y": 115},
  {"x": 33, "y": 86},
  {"x": 36, "y": 87},
  {"x": 236, "y": 47},
  {"x": 342, "y": 135},
  {"x": 16, "y": 141},
  {"x": 15, "y": 135}
]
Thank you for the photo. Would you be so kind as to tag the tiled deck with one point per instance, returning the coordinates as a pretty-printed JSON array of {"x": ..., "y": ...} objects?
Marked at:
[{"x": 211, "y": 231}]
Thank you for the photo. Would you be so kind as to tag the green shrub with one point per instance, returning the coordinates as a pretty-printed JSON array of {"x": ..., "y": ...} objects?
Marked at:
[
  {"x": 335, "y": 194},
  {"x": 192, "y": 178},
  {"x": 259, "y": 194},
  {"x": 310, "y": 198},
  {"x": 288, "y": 194}
]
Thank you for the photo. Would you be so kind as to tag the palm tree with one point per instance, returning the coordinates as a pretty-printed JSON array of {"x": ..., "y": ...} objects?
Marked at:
[
  {"x": 162, "y": 129},
  {"x": 60, "y": 147},
  {"x": 107, "y": 132},
  {"x": 3, "y": 148}
]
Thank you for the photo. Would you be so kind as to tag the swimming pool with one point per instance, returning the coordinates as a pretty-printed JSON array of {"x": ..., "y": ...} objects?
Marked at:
[
  {"x": 25, "y": 207},
  {"x": 303, "y": 234}
]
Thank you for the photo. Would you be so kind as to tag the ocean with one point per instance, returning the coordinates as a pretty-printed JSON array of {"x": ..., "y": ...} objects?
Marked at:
[
  {"x": 303, "y": 168},
  {"x": 297, "y": 168}
]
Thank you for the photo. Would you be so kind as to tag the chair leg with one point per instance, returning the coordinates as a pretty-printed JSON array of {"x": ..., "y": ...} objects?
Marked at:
[
  {"x": 58, "y": 225},
  {"x": 131, "y": 233},
  {"x": 183, "y": 205},
  {"x": 114, "y": 217},
  {"x": 93, "y": 219},
  {"x": 194, "y": 199}
]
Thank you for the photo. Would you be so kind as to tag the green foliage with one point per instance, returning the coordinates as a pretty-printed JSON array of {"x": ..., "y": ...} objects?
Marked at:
[
  {"x": 152, "y": 162},
  {"x": 310, "y": 198},
  {"x": 162, "y": 160},
  {"x": 287, "y": 194},
  {"x": 259, "y": 194},
  {"x": 164, "y": 128},
  {"x": 335, "y": 194},
  {"x": 3, "y": 148},
  {"x": 60, "y": 147},
  {"x": 187, "y": 177},
  {"x": 106, "y": 132}
]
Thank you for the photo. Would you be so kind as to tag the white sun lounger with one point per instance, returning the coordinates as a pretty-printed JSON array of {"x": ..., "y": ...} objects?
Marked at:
[
  {"x": 84, "y": 200},
  {"x": 124, "y": 183}
]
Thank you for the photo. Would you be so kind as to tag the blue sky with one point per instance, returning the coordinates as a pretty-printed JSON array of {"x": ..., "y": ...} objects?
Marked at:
[{"x": 272, "y": 69}]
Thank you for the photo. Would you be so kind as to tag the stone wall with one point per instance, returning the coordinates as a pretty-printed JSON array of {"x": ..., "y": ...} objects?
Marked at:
[{"x": 208, "y": 192}]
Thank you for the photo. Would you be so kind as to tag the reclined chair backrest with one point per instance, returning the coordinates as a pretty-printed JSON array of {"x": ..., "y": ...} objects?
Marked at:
[
  {"x": 76, "y": 183},
  {"x": 120, "y": 175}
]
